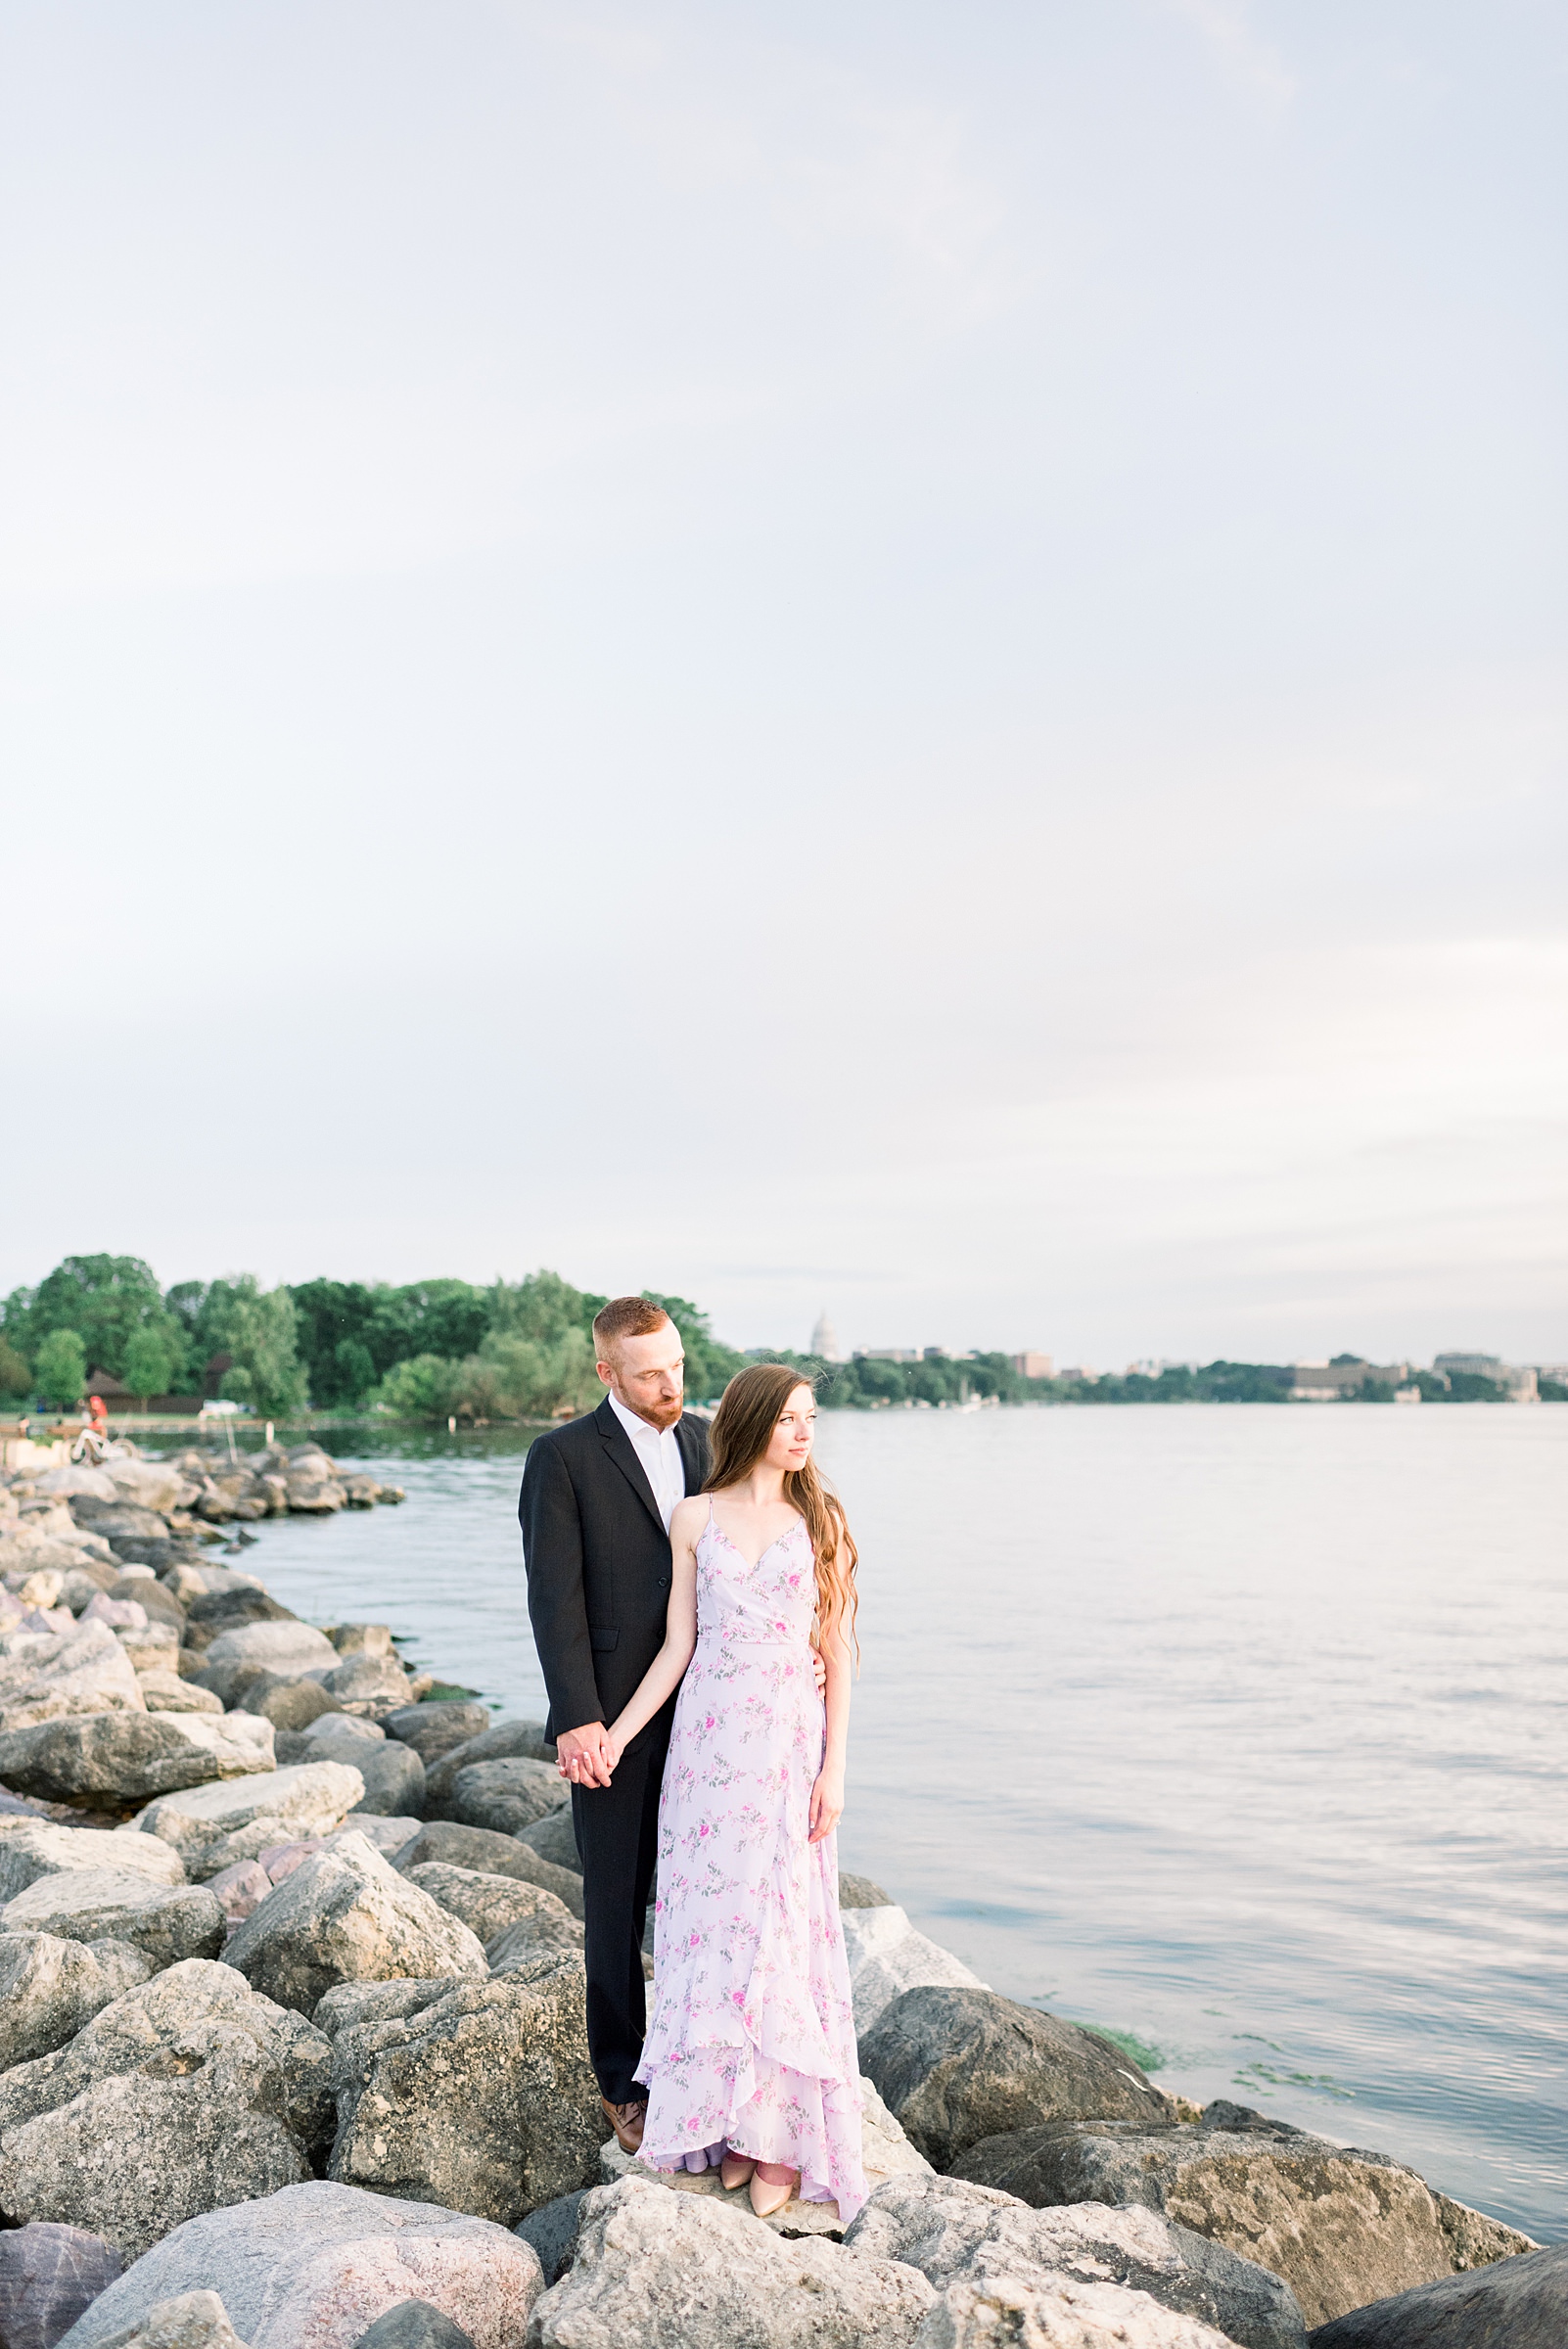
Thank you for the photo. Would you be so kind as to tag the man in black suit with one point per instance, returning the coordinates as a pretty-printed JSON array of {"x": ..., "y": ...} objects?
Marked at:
[{"x": 597, "y": 1498}]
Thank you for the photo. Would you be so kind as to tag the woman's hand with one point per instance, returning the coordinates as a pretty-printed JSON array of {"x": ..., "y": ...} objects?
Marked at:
[{"x": 827, "y": 1804}]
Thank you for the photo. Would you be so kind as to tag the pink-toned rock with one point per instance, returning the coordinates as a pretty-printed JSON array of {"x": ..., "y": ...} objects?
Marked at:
[
  {"x": 48, "y": 2276},
  {"x": 314, "y": 2266},
  {"x": 120, "y": 1614},
  {"x": 241, "y": 1889},
  {"x": 280, "y": 1860}
]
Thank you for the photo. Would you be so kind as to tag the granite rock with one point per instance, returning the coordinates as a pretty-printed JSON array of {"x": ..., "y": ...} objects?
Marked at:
[
  {"x": 435, "y": 1730},
  {"x": 1058, "y": 2314},
  {"x": 48, "y": 2276},
  {"x": 414, "y": 2324},
  {"x": 49, "y": 1676},
  {"x": 166, "y": 1922},
  {"x": 888, "y": 1957},
  {"x": 858, "y": 1892},
  {"x": 348, "y": 1915},
  {"x": 481, "y": 1849},
  {"x": 953, "y": 2230},
  {"x": 50, "y": 1987},
  {"x": 957, "y": 2065},
  {"x": 127, "y": 1756},
  {"x": 500, "y": 1741},
  {"x": 31, "y": 1848},
  {"x": 552, "y": 2230},
  {"x": 506, "y": 1795},
  {"x": 188, "y": 2095},
  {"x": 553, "y": 1838},
  {"x": 1521, "y": 2304},
  {"x": 491, "y": 1905},
  {"x": 314, "y": 2266},
  {"x": 190, "y": 2320},
  {"x": 165, "y": 1690},
  {"x": 482, "y": 2099},
  {"x": 676, "y": 2272},
  {"x": 212, "y": 1826}
]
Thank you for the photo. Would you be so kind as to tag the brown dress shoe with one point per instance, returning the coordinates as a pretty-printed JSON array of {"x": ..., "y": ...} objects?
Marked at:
[{"x": 627, "y": 2121}]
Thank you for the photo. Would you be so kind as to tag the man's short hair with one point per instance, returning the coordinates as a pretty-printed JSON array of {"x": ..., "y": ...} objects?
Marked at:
[{"x": 624, "y": 1318}]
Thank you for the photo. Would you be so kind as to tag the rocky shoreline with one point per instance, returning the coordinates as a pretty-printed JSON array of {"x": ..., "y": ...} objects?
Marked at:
[{"x": 291, "y": 2048}]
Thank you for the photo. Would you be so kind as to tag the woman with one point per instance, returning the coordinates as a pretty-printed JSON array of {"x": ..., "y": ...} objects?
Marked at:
[{"x": 750, "y": 2058}]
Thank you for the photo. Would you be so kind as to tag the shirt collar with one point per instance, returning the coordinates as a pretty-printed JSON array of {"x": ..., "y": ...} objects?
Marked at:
[{"x": 641, "y": 1431}]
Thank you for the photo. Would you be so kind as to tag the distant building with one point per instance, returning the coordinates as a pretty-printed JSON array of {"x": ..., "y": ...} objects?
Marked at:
[
  {"x": 1331, "y": 1382},
  {"x": 1079, "y": 1373},
  {"x": 1033, "y": 1365},
  {"x": 825, "y": 1340},
  {"x": 1522, "y": 1385},
  {"x": 887, "y": 1353}
]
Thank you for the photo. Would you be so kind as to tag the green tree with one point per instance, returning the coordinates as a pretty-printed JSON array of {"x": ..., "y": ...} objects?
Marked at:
[
  {"x": 149, "y": 1362},
  {"x": 16, "y": 1372},
  {"x": 354, "y": 1372},
  {"x": 709, "y": 1365},
  {"x": 257, "y": 1326},
  {"x": 428, "y": 1386},
  {"x": 59, "y": 1368},
  {"x": 104, "y": 1299}
]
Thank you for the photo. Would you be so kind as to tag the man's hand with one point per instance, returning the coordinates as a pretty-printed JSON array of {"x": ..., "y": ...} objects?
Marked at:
[
  {"x": 820, "y": 1669},
  {"x": 585, "y": 1756}
]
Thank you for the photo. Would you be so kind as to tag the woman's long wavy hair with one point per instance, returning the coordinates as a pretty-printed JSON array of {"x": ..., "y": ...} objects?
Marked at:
[{"x": 743, "y": 1427}]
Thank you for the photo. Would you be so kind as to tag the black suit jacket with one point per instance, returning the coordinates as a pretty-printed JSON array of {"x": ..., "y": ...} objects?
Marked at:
[{"x": 598, "y": 1561}]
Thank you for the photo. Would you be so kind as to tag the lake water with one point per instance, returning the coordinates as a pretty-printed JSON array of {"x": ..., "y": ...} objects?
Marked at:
[{"x": 1237, "y": 1731}]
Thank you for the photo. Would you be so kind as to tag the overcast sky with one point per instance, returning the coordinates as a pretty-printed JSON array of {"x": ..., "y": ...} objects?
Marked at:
[{"x": 897, "y": 657}]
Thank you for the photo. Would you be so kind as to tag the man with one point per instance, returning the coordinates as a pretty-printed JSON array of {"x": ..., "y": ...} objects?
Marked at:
[{"x": 597, "y": 1498}]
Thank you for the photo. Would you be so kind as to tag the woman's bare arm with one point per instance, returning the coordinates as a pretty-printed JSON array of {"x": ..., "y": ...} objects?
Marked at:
[
  {"x": 827, "y": 1795},
  {"x": 663, "y": 1675}
]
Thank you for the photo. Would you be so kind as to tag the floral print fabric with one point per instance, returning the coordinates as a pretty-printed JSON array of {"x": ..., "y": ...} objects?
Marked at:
[{"x": 752, "y": 2041}]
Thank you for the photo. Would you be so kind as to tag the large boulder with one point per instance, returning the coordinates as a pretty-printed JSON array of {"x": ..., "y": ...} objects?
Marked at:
[
  {"x": 347, "y": 1915},
  {"x": 312, "y": 2266},
  {"x": 393, "y": 1773},
  {"x": 553, "y": 1837},
  {"x": 190, "y": 2320},
  {"x": 50, "y": 1987},
  {"x": 166, "y": 1922},
  {"x": 48, "y": 2276},
  {"x": 956, "y": 2065},
  {"x": 49, "y": 1676},
  {"x": 491, "y": 1855},
  {"x": 125, "y": 1757},
  {"x": 1521, "y": 2304},
  {"x": 149, "y": 1484},
  {"x": 288, "y": 1649},
  {"x": 433, "y": 1729},
  {"x": 953, "y": 2230},
  {"x": 684, "y": 2271},
  {"x": 31, "y": 1848},
  {"x": 368, "y": 1683},
  {"x": 491, "y": 1905},
  {"x": 886, "y": 1957},
  {"x": 507, "y": 1795},
  {"x": 213, "y": 1826},
  {"x": 186, "y": 2095},
  {"x": 501, "y": 1741},
  {"x": 482, "y": 2099},
  {"x": 858, "y": 1892},
  {"x": 1343, "y": 2226},
  {"x": 1055, "y": 2313},
  {"x": 165, "y": 1690}
]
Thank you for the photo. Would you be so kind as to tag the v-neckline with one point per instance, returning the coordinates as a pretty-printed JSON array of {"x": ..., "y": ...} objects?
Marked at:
[{"x": 751, "y": 1564}]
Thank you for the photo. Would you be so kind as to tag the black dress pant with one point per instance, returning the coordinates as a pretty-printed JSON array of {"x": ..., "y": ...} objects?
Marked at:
[{"x": 618, "y": 1842}]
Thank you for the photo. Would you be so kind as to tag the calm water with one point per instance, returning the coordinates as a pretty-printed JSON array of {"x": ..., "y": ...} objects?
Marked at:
[{"x": 1238, "y": 1731}]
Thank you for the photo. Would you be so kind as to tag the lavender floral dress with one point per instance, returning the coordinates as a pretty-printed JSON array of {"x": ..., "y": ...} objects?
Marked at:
[{"x": 752, "y": 2041}]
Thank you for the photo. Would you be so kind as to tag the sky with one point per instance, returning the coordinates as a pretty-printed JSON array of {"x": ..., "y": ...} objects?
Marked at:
[{"x": 884, "y": 657}]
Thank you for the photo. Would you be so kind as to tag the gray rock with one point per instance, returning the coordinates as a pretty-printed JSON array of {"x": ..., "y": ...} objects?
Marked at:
[
  {"x": 1058, "y": 2314},
  {"x": 187, "y": 2094},
  {"x": 166, "y": 1692},
  {"x": 347, "y": 1915},
  {"x": 482, "y": 2099},
  {"x": 1341, "y": 2226},
  {"x": 290, "y": 1705},
  {"x": 492, "y": 1855},
  {"x": 886, "y": 1957},
  {"x": 506, "y": 1796},
  {"x": 363, "y": 1639},
  {"x": 312, "y": 2266},
  {"x": 435, "y": 1730},
  {"x": 154, "y": 1598},
  {"x": 414, "y": 2324},
  {"x": 212, "y": 1826},
  {"x": 1522, "y": 2304},
  {"x": 491, "y": 1905},
  {"x": 554, "y": 1838},
  {"x": 394, "y": 1782},
  {"x": 51, "y": 1675},
  {"x": 350, "y": 2004},
  {"x": 290, "y": 1650},
  {"x": 392, "y": 1838},
  {"x": 230, "y": 1600},
  {"x": 501, "y": 1741},
  {"x": 378, "y": 1681},
  {"x": 190, "y": 2320},
  {"x": 680, "y": 2272},
  {"x": 128, "y": 1756},
  {"x": 167, "y": 1923},
  {"x": 956, "y": 2065},
  {"x": 858, "y": 1892},
  {"x": 50, "y": 1987},
  {"x": 953, "y": 2230},
  {"x": 552, "y": 2230},
  {"x": 48, "y": 2274},
  {"x": 31, "y": 1848}
]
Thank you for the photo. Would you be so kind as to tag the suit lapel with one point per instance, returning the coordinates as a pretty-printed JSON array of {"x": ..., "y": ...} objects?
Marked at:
[{"x": 617, "y": 1444}]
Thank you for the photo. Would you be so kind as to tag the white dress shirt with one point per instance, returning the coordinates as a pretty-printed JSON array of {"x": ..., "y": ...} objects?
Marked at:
[{"x": 659, "y": 1456}]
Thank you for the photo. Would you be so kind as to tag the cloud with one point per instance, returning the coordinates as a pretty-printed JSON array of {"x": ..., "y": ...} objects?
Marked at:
[{"x": 1227, "y": 29}]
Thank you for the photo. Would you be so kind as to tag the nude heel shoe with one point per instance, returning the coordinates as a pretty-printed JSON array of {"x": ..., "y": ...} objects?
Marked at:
[
  {"x": 734, "y": 2170},
  {"x": 769, "y": 2195}
]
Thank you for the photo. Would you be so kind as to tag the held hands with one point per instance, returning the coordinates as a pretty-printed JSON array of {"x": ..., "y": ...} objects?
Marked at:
[
  {"x": 827, "y": 1804},
  {"x": 587, "y": 1756},
  {"x": 818, "y": 1670}
]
